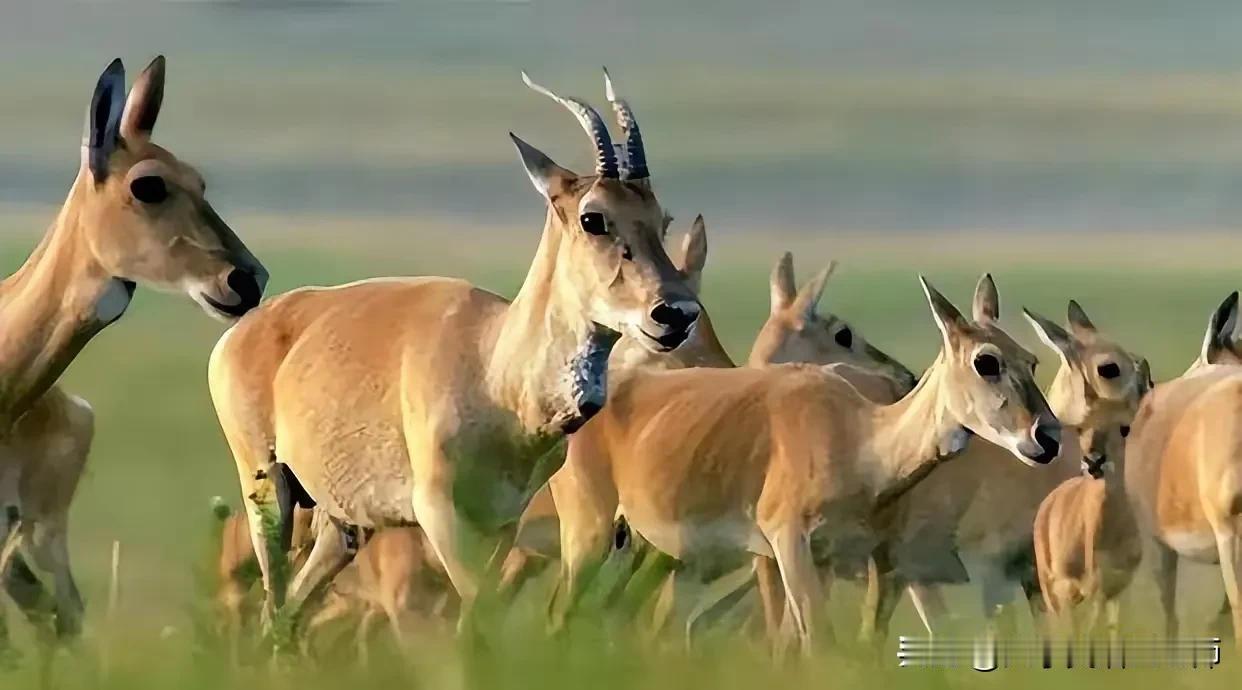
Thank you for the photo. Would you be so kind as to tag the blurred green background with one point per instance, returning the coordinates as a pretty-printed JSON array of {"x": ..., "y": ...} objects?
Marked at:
[{"x": 1079, "y": 150}]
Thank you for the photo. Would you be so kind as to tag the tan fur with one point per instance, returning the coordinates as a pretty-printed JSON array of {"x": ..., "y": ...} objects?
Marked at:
[
  {"x": 1087, "y": 544},
  {"x": 1184, "y": 468},
  {"x": 986, "y": 508},
  {"x": 429, "y": 400},
  {"x": 78, "y": 281},
  {"x": 794, "y": 325},
  {"x": 710, "y": 465},
  {"x": 396, "y": 573}
]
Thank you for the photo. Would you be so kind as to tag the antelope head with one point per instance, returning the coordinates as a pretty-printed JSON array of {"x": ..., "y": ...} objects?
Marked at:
[
  {"x": 1098, "y": 384},
  {"x": 609, "y": 228},
  {"x": 143, "y": 211},
  {"x": 1102, "y": 448},
  {"x": 1220, "y": 346},
  {"x": 988, "y": 379},
  {"x": 796, "y": 332},
  {"x": 702, "y": 348}
]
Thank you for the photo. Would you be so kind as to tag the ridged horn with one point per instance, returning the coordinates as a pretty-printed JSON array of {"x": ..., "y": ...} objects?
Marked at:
[
  {"x": 605, "y": 157},
  {"x": 635, "y": 164}
]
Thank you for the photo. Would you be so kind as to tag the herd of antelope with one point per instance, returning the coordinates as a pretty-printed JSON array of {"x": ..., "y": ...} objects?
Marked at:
[{"x": 421, "y": 442}]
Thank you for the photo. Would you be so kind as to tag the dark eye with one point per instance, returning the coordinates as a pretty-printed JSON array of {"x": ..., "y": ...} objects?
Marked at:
[
  {"x": 1125, "y": 431},
  {"x": 594, "y": 223},
  {"x": 1109, "y": 370},
  {"x": 626, "y": 253},
  {"x": 149, "y": 189},
  {"x": 987, "y": 365},
  {"x": 844, "y": 338}
]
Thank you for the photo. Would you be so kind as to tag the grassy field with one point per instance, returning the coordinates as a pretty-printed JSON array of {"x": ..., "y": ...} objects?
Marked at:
[{"x": 159, "y": 455}]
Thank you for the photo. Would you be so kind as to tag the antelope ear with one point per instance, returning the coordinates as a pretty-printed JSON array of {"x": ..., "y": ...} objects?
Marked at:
[
  {"x": 103, "y": 119},
  {"x": 948, "y": 319},
  {"x": 1053, "y": 335},
  {"x": 1219, "y": 336},
  {"x": 1146, "y": 382},
  {"x": 548, "y": 177},
  {"x": 1079, "y": 324},
  {"x": 986, "y": 306},
  {"x": 694, "y": 254},
  {"x": 143, "y": 105},
  {"x": 807, "y": 301},
  {"x": 784, "y": 290}
]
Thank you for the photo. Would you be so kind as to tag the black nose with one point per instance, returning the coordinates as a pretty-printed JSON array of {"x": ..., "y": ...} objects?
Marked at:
[
  {"x": 678, "y": 316},
  {"x": 1049, "y": 440},
  {"x": 246, "y": 284}
]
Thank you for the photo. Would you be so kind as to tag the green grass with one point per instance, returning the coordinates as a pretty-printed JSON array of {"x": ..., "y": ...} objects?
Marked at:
[{"x": 159, "y": 456}]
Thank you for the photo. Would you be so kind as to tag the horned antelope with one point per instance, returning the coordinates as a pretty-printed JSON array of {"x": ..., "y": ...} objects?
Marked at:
[
  {"x": 134, "y": 214},
  {"x": 709, "y": 465},
  {"x": 795, "y": 330},
  {"x": 985, "y": 509},
  {"x": 1087, "y": 545},
  {"x": 431, "y": 401},
  {"x": 1183, "y": 473}
]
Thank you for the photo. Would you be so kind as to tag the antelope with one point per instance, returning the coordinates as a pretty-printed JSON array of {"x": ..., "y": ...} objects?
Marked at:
[
  {"x": 1086, "y": 541},
  {"x": 235, "y": 564},
  {"x": 709, "y": 465},
  {"x": 134, "y": 214},
  {"x": 794, "y": 331},
  {"x": 986, "y": 509},
  {"x": 429, "y": 401},
  {"x": 1183, "y": 474},
  {"x": 395, "y": 571}
]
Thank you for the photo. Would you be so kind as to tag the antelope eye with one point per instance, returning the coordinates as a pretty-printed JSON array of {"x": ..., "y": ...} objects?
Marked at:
[
  {"x": 844, "y": 338},
  {"x": 987, "y": 365},
  {"x": 593, "y": 223},
  {"x": 1125, "y": 431},
  {"x": 149, "y": 189},
  {"x": 1109, "y": 370}
]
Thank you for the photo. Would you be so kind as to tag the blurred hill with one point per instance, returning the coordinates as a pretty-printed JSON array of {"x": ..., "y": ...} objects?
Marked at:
[{"x": 848, "y": 114}]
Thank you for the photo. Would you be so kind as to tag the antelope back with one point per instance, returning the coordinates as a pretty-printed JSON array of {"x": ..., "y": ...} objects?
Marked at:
[
  {"x": 606, "y": 233},
  {"x": 987, "y": 379},
  {"x": 144, "y": 212},
  {"x": 796, "y": 331}
]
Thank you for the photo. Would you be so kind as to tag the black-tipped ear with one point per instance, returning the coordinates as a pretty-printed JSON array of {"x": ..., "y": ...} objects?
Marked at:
[
  {"x": 545, "y": 174},
  {"x": 782, "y": 284},
  {"x": 986, "y": 306},
  {"x": 142, "y": 107},
  {"x": 103, "y": 119},
  {"x": 948, "y": 319},
  {"x": 1079, "y": 324},
  {"x": 1220, "y": 328},
  {"x": 1048, "y": 331}
]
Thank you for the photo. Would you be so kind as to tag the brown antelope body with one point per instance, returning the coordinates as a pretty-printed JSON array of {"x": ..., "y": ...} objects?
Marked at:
[
  {"x": 135, "y": 214},
  {"x": 985, "y": 509},
  {"x": 1087, "y": 544},
  {"x": 794, "y": 331},
  {"x": 431, "y": 401},
  {"x": 712, "y": 466},
  {"x": 1184, "y": 468}
]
